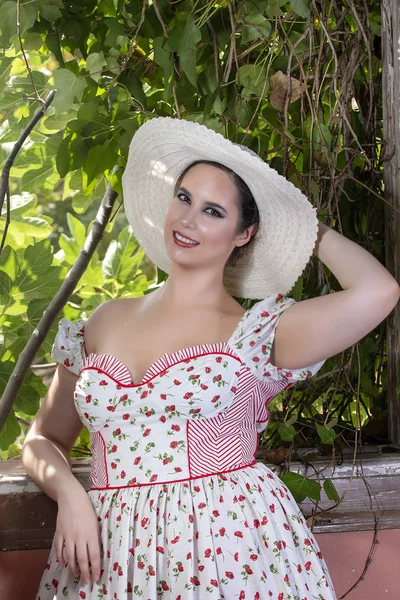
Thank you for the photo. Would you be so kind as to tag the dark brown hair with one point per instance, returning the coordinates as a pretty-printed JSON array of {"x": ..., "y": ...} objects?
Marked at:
[{"x": 249, "y": 214}]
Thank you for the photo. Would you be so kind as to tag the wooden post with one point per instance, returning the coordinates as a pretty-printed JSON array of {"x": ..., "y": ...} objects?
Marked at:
[{"x": 391, "y": 146}]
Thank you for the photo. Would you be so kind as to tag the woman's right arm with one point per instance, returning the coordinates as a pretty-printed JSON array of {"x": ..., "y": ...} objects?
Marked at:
[{"x": 46, "y": 460}]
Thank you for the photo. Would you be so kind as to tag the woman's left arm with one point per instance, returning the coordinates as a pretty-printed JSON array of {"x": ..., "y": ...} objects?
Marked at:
[{"x": 315, "y": 329}]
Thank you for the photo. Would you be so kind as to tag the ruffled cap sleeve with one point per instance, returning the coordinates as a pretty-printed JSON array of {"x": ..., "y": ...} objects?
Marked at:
[
  {"x": 255, "y": 337},
  {"x": 69, "y": 345}
]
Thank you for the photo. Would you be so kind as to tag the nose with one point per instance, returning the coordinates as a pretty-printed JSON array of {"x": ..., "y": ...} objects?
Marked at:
[{"x": 188, "y": 222}]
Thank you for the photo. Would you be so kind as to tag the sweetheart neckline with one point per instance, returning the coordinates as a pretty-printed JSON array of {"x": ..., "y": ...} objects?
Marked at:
[
  {"x": 171, "y": 354},
  {"x": 217, "y": 348}
]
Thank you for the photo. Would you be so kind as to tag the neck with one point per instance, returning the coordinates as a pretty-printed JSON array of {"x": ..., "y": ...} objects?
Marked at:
[{"x": 189, "y": 287}]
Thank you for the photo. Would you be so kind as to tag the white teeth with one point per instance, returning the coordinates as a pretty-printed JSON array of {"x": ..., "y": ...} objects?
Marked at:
[{"x": 183, "y": 239}]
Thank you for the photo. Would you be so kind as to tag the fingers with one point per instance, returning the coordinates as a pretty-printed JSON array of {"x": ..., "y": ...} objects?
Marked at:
[
  {"x": 59, "y": 544},
  {"x": 94, "y": 556},
  {"x": 71, "y": 558},
  {"x": 83, "y": 561}
]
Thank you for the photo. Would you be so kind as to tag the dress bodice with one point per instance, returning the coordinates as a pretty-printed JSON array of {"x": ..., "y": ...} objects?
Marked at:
[{"x": 196, "y": 411}]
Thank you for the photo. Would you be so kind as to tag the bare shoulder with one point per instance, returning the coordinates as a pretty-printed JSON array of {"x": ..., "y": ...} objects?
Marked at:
[{"x": 105, "y": 317}]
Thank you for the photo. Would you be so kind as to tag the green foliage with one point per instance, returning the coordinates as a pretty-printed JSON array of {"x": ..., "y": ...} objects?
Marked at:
[{"x": 115, "y": 67}]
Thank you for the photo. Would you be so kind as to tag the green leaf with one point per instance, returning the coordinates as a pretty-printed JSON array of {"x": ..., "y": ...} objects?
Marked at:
[
  {"x": 331, "y": 491},
  {"x": 63, "y": 159},
  {"x": 327, "y": 436},
  {"x": 5, "y": 287},
  {"x": 188, "y": 63},
  {"x": 191, "y": 35},
  {"x": 39, "y": 257},
  {"x": 29, "y": 227},
  {"x": 301, "y": 487},
  {"x": 11, "y": 430},
  {"x": 262, "y": 27},
  {"x": 101, "y": 158},
  {"x": 32, "y": 41},
  {"x": 94, "y": 64},
  {"x": 8, "y": 21},
  {"x": 44, "y": 287},
  {"x": 301, "y": 7},
  {"x": 54, "y": 45},
  {"x": 163, "y": 58},
  {"x": 9, "y": 262},
  {"x": 286, "y": 432},
  {"x": 70, "y": 247},
  {"x": 35, "y": 311},
  {"x": 51, "y": 13},
  {"x": 77, "y": 229},
  {"x": 68, "y": 88},
  {"x": 28, "y": 400},
  {"x": 252, "y": 77},
  {"x": 123, "y": 257}
]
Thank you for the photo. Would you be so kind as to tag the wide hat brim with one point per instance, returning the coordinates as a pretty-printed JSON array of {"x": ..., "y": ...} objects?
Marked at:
[{"x": 160, "y": 151}]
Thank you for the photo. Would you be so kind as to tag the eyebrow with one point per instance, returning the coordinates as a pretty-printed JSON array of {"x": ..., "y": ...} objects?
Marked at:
[{"x": 213, "y": 204}]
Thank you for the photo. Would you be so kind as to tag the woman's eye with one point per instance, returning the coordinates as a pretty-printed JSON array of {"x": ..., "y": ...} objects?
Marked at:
[
  {"x": 183, "y": 197},
  {"x": 214, "y": 212}
]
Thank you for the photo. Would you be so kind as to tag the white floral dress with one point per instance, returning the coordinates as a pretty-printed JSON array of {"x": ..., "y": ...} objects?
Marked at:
[{"x": 184, "y": 509}]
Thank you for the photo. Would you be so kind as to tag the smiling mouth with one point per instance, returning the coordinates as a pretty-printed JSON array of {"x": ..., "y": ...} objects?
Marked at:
[{"x": 181, "y": 239}]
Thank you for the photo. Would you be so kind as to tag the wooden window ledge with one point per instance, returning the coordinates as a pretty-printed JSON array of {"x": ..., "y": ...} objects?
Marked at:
[{"x": 371, "y": 498}]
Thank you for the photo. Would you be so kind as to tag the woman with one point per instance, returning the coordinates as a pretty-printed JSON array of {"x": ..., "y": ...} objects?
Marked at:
[{"x": 174, "y": 386}]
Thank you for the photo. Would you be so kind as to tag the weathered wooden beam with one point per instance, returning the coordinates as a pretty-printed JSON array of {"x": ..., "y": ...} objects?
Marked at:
[
  {"x": 391, "y": 150},
  {"x": 28, "y": 516}
]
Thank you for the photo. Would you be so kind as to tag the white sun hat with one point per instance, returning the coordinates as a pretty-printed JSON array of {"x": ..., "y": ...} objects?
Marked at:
[{"x": 160, "y": 151}]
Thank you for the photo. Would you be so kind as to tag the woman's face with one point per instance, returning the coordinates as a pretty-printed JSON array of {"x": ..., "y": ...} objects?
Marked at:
[{"x": 202, "y": 220}]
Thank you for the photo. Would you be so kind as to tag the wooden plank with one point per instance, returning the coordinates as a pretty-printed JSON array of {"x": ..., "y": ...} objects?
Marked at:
[
  {"x": 371, "y": 498},
  {"x": 391, "y": 149}
]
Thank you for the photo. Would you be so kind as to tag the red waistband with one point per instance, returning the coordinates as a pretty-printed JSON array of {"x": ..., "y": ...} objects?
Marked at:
[{"x": 135, "y": 485}]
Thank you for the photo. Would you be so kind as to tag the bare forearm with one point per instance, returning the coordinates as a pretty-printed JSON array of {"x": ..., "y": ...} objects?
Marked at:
[
  {"x": 49, "y": 467},
  {"x": 352, "y": 266}
]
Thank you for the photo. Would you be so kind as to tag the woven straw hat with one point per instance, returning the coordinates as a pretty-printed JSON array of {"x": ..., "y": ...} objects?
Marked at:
[{"x": 162, "y": 148}]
